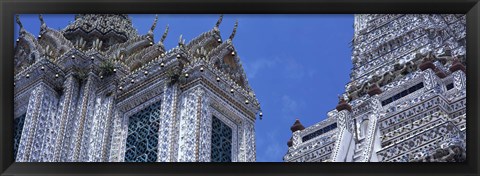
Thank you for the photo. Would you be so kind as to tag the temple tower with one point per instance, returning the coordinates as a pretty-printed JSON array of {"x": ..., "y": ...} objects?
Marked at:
[
  {"x": 406, "y": 91},
  {"x": 98, "y": 91}
]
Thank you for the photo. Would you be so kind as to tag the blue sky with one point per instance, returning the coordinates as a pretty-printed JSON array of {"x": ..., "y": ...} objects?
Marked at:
[{"x": 296, "y": 64}]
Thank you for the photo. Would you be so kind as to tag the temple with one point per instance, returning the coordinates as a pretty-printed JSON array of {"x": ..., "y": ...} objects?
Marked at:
[
  {"x": 97, "y": 91},
  {"x": 406, "y": 99}
]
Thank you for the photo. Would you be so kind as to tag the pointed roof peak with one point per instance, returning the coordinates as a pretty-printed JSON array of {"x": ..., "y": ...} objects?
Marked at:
[
  {"x": 154, "y": 25},
  {"x": 181, "y": 41},
  {"x": 234, "y": 30},
  {"x": 164, "y": 36},
  {"x": 17, "y": 19},
  {"x": 219, "y": 21},
  {"x": 43, "y": 25}
]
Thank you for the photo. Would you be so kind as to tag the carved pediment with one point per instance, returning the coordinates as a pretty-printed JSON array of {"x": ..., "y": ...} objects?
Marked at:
[
  {"x": 226, "y": 60},
  {"x": 27, "y": 51}
]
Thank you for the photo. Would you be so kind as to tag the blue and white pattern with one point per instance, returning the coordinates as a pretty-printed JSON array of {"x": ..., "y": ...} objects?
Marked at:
[
  {"x": 142, "y": 137},
  {"x": 221, "y": 141}
]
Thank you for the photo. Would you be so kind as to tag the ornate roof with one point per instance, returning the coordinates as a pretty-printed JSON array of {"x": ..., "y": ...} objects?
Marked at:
[{"x": 110, "y": 41}]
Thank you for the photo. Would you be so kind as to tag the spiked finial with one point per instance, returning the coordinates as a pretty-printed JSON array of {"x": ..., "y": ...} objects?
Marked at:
[
  {"x": 17, "y": 18},
  {"x": 219, "y": 21},
  {"x": 150, "y": 32},
  {"x": 181, "y": 41},
  {"x": 164, "y": 36},
  {"x": 43, "y": 26},
  {"x": 234, "y": 30}
]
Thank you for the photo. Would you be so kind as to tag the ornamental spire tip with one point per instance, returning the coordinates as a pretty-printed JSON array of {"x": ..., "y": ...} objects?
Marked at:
[
  {"x": 219, "y": 21},
  {"x": 43, "y": 26},
  {"x": 234, "y": 30},
  {"x": 164, "y": 36},
  {"x": 17, "y": 18}
]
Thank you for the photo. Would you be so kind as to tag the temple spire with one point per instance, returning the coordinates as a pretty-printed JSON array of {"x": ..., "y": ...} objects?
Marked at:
[
  {"x": 164, "y": 36},
  {"x": 150, "y": 32},
  {"x": 234, "y": 30}
]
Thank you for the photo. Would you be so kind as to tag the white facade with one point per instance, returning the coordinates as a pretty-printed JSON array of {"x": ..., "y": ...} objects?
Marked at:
[
  {"x": 406, "y": 100},
  {"x": 97, "y": 91}
]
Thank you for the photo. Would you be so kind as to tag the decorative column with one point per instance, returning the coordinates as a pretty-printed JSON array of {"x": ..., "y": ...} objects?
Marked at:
[
  {"x": 67, "y": 116},
  {"x": 66, "y": 111},
  {"x": 377, "y": 113},
  {"x": 91, "y": 134},
  {"x": 38, "y": 111},
  {"x": 116, "y": 138},
  {"x": 101, "y": 122},
  {"x": 88, "y": 91},
  {"x": 251, "y": 145},
  {"x": 107, "y": 134},
  {"x": 89, "y": 149},
  {"x": 247, "y": 146},
  {"x": 123, "y": 138},
  {"x": 45, "y": 138},
  {"x": 345, "y": 131},
  {"x": 205, "y": 126},
  {"x": 431, "y": 80},
  {"x": 167, "y": 111},
  {"x": 188, "y": 125}
]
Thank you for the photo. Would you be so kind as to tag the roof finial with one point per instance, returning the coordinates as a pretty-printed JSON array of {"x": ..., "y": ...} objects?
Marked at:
[
  {"x": 234, "y": 30},
  {"x": 181, "y": 41},
  {"x": 297, "y": 126},
  {"x": 43, "y": 26},
  {"x": 150, "y": 32},
  {"x": 17, "y": 17},
  {"x": 164, "y": 36},
  {"x": 219, "y": 21}
]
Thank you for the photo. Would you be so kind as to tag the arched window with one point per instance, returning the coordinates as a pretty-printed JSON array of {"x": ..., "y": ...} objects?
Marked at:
[
  {"x": 221, "y": 149},
  {"x": 142, "y": 137}
]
